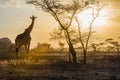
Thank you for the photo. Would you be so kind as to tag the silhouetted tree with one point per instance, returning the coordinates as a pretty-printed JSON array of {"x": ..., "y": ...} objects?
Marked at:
[
  {"x": 110, "y": 48},
  {"x": 100, "y": 45},
  {"x": 95, "y": 13},
  {"x": 116, "y": 44},
  {"x": 63, "y": 13},
  {"x": 94, "y": 46}
]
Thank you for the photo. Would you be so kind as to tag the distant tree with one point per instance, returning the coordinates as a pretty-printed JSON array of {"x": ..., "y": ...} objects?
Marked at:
[
  {"x": 94, "y": 46},
  {"x": 116, "y": 44},
  {"x": 109, "y": 40},
  {"x": 61, "y": 45},
  {"x": 110, "y": 48},
  {"x": 101, "y": 44},
  {"x": 95, "y": 13}
]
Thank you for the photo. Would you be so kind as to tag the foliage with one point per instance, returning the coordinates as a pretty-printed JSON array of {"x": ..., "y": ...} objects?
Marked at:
[{"x": 116, "y": 44}]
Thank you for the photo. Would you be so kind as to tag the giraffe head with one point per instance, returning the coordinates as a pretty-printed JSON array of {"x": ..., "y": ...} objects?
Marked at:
[
  {"x": 29, "y": 29},
  {"x": 33, "y": 17}
]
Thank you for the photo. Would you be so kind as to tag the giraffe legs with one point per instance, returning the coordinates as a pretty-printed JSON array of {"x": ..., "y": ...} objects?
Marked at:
[
  {"x": 17, "y": 52},
  {"x": 27, "y": 51},
  {"x": 27, "y": 48}
]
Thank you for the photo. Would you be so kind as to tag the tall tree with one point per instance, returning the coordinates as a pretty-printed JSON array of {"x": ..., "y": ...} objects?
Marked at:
[
  {"x": 63, "y": 13},
  {"x": 95, "y": 9}
]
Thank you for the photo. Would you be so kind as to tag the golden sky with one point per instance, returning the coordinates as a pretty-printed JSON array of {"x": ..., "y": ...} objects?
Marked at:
[
  {"x": 112, "y": 29},
  {"x": 14, "y": 18}
]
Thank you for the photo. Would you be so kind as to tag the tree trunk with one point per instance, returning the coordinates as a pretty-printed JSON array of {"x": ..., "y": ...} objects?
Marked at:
[
  {"x": 84, "y": 56},
  {"x": 69, "y": 55},
  {"x": 118, "y": 50},
  {"x": 95, "y": 50},
  {"x": 72, "y": 51},
  {"x": 71, "y": 48}
]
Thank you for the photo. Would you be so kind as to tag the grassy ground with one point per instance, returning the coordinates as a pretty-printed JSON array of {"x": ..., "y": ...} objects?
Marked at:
[{"x": 56, "y": 67}]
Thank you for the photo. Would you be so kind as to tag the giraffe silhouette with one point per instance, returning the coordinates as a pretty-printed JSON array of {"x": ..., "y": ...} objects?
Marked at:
[{"x": 24, "y": 38}]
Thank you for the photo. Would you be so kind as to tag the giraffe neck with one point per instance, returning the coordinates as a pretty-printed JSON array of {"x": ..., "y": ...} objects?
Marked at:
[{"x": 29, "y": 29}]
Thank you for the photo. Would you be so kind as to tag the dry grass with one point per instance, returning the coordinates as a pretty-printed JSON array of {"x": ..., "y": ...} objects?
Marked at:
[{"x": 56, "y": 67}]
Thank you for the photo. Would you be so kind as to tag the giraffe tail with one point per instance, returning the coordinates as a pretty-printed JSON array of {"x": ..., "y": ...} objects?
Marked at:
[{"x": 16, "y": 50}]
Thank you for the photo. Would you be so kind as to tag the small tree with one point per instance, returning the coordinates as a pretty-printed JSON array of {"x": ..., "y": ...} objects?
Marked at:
[
  {"x": 61, "y": 44},
  {"x": 116, "y": 44},
  {"x": 101, "y": 45},
  {"x": 94, "y": 46}
]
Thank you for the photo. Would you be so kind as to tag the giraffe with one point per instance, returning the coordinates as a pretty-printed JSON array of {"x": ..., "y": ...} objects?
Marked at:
[{"x": 24, "y": 38}]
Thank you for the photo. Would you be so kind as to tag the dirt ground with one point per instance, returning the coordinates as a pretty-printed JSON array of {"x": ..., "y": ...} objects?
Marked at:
[{"x": 55, "y": 67}]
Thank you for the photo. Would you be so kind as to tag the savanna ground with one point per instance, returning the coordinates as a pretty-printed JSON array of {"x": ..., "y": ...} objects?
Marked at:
[{"x": 55, "y": 66}]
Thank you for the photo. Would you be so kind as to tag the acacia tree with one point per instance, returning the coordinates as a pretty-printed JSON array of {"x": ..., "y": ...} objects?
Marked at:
[
  {"x": 116, "y": 44},
  {"x": 97, "y": 46},
  {"x": 59, "y": 35},
  {"x": 95, "y": 9},
  {"x": 94, "y": 46},
  {"x": 63, "y": 13}
]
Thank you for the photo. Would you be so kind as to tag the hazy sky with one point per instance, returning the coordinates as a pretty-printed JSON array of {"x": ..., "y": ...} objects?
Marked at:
[{"x": 14, "y": 18}]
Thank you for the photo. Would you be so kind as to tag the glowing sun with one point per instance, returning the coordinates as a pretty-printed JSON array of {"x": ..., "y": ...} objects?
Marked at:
[{"x": 86, "y": 17}]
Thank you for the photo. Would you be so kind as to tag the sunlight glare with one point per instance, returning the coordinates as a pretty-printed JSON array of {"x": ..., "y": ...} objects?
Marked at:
[{"x": 85, "y": 18}]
